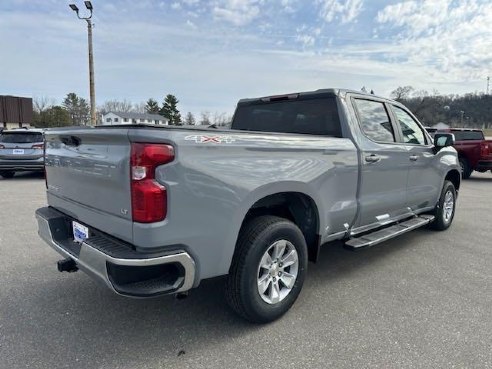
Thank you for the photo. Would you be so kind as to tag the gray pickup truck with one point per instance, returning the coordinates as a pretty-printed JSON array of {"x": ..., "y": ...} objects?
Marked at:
[{"x": 155, "y": 210}]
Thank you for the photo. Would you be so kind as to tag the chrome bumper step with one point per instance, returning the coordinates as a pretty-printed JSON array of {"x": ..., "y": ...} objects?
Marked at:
[
  {"x": 384, "y": 234},
  {"x": 122, "y": 269}
]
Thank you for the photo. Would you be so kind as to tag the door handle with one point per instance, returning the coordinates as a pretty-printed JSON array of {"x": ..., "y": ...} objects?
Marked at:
[
  {"x": 373, "y": 158},
  {"x": 414, "y": 157}
]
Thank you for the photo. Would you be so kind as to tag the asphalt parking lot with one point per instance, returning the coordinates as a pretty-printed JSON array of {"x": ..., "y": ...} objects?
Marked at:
[{"x": 423, "y": 300}]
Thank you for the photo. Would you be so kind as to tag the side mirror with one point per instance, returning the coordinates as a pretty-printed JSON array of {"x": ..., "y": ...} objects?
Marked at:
[{"x": 443, "y": 140}]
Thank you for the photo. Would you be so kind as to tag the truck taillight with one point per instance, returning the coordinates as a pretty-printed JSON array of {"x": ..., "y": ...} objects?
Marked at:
[
  {"x": 484, "y": 149},
  {"x": 149, "y": 198}
]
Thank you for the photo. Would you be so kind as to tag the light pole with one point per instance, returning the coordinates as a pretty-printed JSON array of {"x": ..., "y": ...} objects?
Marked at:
[{"x": 88, "y": 5}]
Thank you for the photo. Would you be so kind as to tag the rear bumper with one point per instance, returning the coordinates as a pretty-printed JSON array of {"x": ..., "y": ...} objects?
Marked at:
[
  {"x": 22, "y": 164},
  {"x": 115, "y": 263},
  {"x": 484, "y": 165}
]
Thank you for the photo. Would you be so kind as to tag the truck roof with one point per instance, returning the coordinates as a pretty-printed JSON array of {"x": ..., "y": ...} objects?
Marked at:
[
  {"x": 453, "y": 129},
  {"x": 323, "y": 92}
]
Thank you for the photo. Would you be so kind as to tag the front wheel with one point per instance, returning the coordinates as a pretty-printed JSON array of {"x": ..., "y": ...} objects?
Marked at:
[
  {"x": 268, "y": 269},
  {"x": 444, "y": 213},
  {"x": 7, "y": 173}
]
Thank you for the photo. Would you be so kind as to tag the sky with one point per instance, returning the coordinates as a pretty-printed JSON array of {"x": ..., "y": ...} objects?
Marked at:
[{"x": 212, "y": 53}]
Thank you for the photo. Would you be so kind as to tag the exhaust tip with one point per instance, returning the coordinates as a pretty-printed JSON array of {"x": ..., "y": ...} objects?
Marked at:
[{"x": 67, "y": 265}]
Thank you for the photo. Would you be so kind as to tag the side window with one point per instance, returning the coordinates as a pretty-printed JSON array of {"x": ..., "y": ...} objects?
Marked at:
[
  {"x": 375, "y": 121},
  {"x": 412, "y": 133}
]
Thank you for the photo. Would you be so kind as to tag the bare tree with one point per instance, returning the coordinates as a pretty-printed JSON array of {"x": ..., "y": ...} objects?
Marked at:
[
  {"x": 205, "y": 120},
  {"x": 123, "y": 106},
  {"x": 221, "y": 119},
  {"x": 42, "y": 103},
  {"x": 140, "y": 108},
  {"x": 189, "y": 119},
  {"x": 218, "y": 118},
  {"x": 402, "y": 93}
]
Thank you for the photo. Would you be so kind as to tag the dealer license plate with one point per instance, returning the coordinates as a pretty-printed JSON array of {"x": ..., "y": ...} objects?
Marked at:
[{"x": 80, "y": 232}]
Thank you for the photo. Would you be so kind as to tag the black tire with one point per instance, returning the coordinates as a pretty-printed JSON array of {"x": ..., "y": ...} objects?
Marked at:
[
  {"x": 7, "y": 173},
  {"x": 255, "y": 239},
  {"x": 442, "y": 222},
  {"x": 466, "y": 171}
]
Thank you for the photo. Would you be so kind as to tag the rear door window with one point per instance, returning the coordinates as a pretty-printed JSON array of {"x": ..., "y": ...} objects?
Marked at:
[
  {"x": 24, "y": 137},
  {"x": 312, "y": 116},
  {"x": 375, "y": 121}
]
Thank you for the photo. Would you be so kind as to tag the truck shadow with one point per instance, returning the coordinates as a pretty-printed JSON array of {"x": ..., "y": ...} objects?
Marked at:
[
  {"x": 74, "y": 318},
  {"x": 23, "y": 176},
  {"x": 479, "y": 179}
]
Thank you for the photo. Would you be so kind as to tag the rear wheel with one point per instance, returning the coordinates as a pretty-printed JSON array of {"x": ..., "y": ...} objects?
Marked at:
[
  {"x": 7, "y": 173},
  {"x": 268, "y": 269},
  {"x": 445, "y": 208},
  {"x": 466, "y": 171}
]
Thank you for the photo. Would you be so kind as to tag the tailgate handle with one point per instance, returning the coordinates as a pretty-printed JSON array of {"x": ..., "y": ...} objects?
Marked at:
[{"x": 70, "y": 140}]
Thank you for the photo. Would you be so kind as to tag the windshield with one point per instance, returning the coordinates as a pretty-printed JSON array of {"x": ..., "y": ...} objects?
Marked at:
[{"x": 24, "y": 137}]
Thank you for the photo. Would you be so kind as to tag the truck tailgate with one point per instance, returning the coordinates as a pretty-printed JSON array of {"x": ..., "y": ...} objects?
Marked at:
[{"x": 88, "y": 177}]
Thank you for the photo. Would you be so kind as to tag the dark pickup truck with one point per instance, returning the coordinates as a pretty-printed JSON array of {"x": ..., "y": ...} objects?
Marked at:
[{"x": 474, "y": 151}]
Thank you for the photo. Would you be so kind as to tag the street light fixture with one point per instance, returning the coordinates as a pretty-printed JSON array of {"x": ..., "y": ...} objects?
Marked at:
[{"x": 89, "y": 7}]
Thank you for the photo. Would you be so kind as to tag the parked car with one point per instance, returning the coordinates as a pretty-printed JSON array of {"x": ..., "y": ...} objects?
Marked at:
[
  {"x": 155, "y": 210},
  {"x": 474, "y": 151},
  {"x": 21, "y": 150}
]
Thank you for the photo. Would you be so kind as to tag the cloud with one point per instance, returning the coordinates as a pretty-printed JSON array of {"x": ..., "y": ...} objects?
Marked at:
[
  {"x": 451, "y": 39},
  {"x": 237, "y": 12},
  {"x": 191, "y": 24},
  {"x": 250, "y": 48},
  {"x": 345, "y": 11}
]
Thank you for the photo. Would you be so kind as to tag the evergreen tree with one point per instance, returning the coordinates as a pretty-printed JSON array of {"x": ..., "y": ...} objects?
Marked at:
[
  {"x": 170, "y": 110},
  {"x": 190, "y": 119},
  {"x": 77, "y": 108},
  {"x": 152, "y": 106},
  {"x": 54, "y": 116}
]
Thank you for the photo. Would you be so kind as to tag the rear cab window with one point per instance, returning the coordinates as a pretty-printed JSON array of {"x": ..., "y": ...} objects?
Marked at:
[
  {"x": 467, "y": 135},
  {"x": 21, "y": 137},
  {"x": 312, "y": 115}
]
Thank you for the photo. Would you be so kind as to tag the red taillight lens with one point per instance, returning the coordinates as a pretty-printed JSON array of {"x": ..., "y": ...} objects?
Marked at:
[
  {"x": 149, "y": 198},
  {"x": 484, "y": 149},
  {"x": 37, "y": 146}
]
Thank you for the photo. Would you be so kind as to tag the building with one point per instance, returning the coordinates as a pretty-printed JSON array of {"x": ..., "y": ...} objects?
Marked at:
[
  {"x": 114, "y": 118},
  {"x": 15, "y": 112}
]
